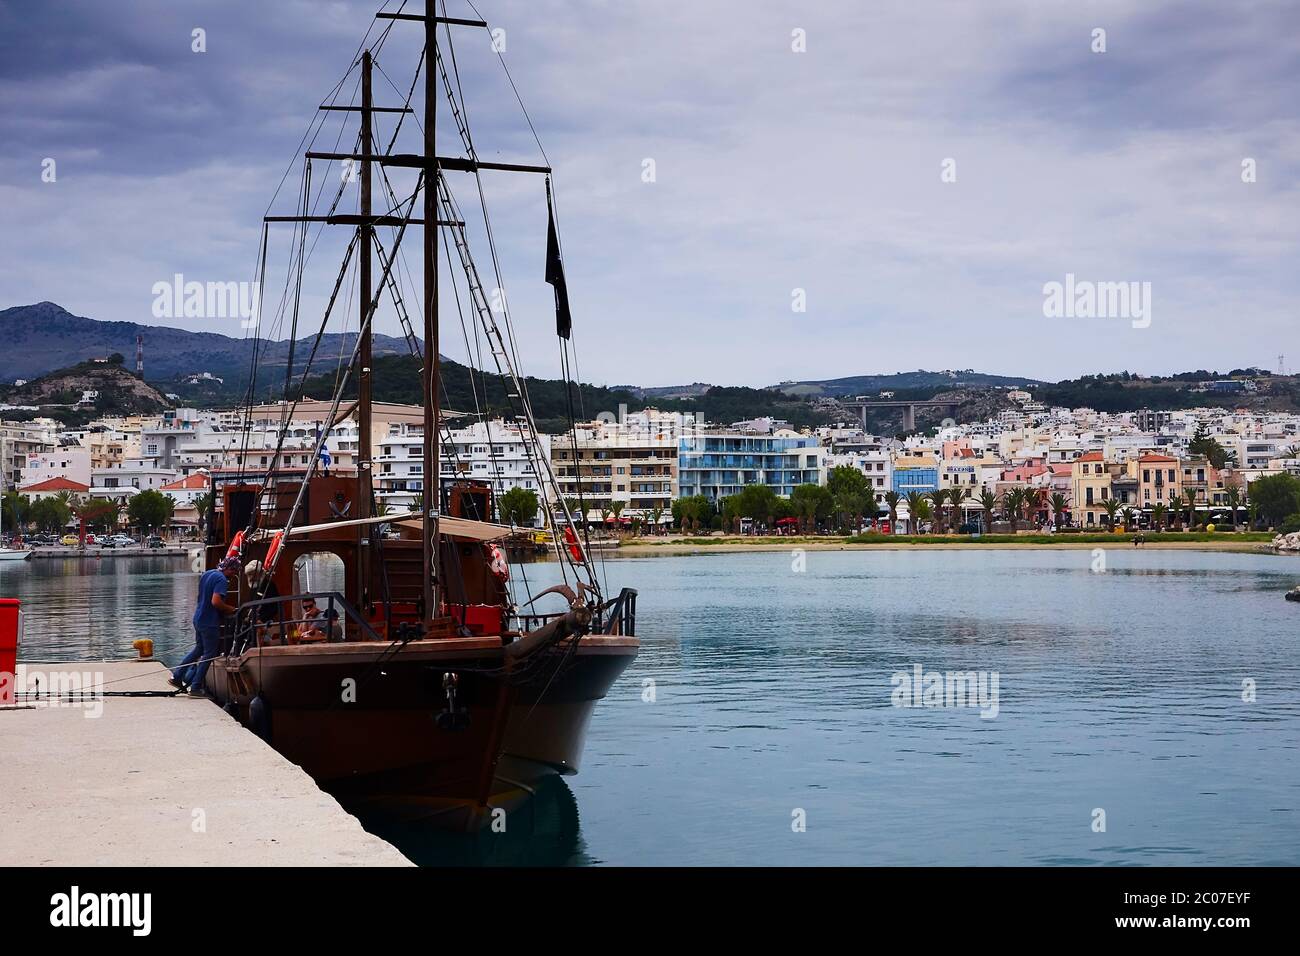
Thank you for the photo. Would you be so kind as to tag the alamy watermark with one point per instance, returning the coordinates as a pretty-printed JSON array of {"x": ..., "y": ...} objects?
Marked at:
[
  {"x": 1085, "y": 299},
  {"x": 207, "y": 300},
  {"x": 73, "y": 909},
  {"x": 47, "y": 688},
  {"x": 921, "y": 688}
]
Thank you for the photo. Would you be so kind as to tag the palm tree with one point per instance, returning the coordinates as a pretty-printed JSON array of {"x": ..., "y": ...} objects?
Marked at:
[
  {"x": 1012, "y": 502},
  {"x": 1232, "y": 498},
  {"x": 731, "y": 514},
  {"x": 1112, "y": 508},
  {"x": 938, "y": 498},
  {"x": 202, "y": 509},
  {"x": 655, "y": 514},
  {"x": 892, "y": 498},
  {"x": 1059, "y": 505},
  {"x": 1128, "y": 514},
  {"x": 1033, "y": 504},
  {"x": 957, "y": 495},
  {"x": 915, "y": 503},
  {"x": 1190, "y": 494},
  {"x": 1158, "y": 515},
  {"x": 852, "y": 504},
  {"x": 988, "y": 501}
]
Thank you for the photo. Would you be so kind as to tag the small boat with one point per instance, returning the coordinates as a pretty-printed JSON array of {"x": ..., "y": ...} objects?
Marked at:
[{"x": 423, "y": 680}]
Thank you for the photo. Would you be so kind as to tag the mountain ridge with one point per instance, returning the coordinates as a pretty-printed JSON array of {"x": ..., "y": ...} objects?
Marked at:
[{"x": 44, "y": 337}]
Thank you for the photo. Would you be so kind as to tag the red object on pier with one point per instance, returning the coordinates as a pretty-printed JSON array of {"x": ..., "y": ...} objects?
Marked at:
[{"x": 9, "y": 634}]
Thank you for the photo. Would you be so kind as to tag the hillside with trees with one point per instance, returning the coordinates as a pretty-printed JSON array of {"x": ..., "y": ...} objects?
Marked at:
[{"x": 113, "y": 389}]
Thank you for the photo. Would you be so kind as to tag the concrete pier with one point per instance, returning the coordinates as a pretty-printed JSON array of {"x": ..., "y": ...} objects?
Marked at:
[{"x": 156, "y": 781}]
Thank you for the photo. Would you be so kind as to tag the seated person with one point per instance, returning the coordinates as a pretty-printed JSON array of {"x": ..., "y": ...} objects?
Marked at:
[
  {"x": 318, "y": 624},
  {"x": 267, "y": 616}
]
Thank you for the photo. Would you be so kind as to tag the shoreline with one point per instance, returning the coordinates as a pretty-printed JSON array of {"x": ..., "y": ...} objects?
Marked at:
[{"x": 734, "y": 545}]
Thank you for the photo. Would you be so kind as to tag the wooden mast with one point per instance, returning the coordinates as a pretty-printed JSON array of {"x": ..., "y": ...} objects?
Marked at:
[
  {"x": 430, "y": 373},
  {"x": 365, "y": 478},
  {"x": 430, "y": 483}
]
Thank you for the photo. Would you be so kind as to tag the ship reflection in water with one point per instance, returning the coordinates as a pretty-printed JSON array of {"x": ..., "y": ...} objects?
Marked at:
[{"x": 541, "y": 831}]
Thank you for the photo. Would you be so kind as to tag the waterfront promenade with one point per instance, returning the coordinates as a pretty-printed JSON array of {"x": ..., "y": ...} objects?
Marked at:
[
  {"x": 650, "y": 546},
  {"x": 159, "y": 781}
]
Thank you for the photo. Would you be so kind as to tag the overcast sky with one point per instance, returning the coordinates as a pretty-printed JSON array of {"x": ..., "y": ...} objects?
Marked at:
[{"x": 775, "y": 171}]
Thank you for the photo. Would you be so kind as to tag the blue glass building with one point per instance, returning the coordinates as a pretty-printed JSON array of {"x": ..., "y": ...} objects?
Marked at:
[
  {"x": 720, "y": 465},
  {"x": 916, "y": 474}
]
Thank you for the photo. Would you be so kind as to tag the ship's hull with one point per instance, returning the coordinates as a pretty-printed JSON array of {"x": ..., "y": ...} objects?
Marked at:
[{"x": 375, "y": 726}]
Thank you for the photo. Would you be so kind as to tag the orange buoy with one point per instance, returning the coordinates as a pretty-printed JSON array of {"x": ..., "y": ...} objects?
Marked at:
[
  {"x": 236, "y": 545},
  {"x": 575, "y": 549}
]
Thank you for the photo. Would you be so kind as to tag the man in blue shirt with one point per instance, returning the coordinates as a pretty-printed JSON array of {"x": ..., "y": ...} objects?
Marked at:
[{"x": 212, "y": 603}]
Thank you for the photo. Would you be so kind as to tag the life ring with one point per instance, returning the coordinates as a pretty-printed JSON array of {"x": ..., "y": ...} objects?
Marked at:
[
  {"x": 273, "y": 548},
  {"x": 236, "y": 545},
  {"x": 575, "y": 549},
  {"x": 497, "y": 562}
]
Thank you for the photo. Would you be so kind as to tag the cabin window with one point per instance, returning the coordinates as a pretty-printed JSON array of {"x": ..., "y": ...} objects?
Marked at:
[{"x": 319, "y": 571}]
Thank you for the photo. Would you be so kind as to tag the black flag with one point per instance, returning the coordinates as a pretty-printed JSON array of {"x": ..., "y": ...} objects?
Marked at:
[{"x": 555, "y": 273}]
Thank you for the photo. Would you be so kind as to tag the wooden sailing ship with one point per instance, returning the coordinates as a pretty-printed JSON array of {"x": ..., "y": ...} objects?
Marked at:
[{"x": 424, "y": 684}]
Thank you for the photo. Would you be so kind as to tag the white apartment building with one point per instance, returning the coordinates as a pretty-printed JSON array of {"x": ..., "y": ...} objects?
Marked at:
[
  {"x": 138, "y": 474},
  {"x": 190, "y": 442},
  {"x": 18, "y": 442},
  {"x": 632, "y": 461},
  {"x": 66, "y": 461},
  {"x": 1253, "y": 454},
  {"x": 970, "y": 472},
  {"x": 494, "y": 452}
]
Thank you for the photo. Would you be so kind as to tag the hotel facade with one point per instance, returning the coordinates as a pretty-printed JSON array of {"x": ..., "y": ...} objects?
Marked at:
[{"x": 719, "y": 464}]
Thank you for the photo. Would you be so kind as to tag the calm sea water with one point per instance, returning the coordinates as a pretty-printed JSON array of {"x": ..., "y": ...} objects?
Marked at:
[{"x": 1118, "y": 691}]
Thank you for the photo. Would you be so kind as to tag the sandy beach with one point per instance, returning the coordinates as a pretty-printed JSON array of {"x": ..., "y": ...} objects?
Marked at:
[{"x": 669, "y": 546}]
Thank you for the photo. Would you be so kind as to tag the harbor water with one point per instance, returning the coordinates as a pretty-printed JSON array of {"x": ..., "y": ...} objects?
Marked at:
[{"x": 1140, "y": 708}]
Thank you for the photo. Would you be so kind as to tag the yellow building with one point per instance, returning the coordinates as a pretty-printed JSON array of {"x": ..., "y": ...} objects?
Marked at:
[{"x": 1090, "y": 489}]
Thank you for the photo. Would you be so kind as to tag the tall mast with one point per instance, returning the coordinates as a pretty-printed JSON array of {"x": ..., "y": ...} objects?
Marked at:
[
  {"x": 432, "y": 485},
  {"x": 364, "y": 438}
]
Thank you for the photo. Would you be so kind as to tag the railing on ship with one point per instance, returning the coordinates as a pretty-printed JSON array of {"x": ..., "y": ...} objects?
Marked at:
[
  {"x": 615, "y": 616},
  {"x": 253, "y": 629}
]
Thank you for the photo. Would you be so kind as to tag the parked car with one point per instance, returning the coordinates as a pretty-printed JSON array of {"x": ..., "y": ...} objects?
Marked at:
[
  {"x": 69, "y": 539},
  {"x": 119, "y": 541},
  {"x": 91, "y": 539},
  {"x": 155, "y": 541}
]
